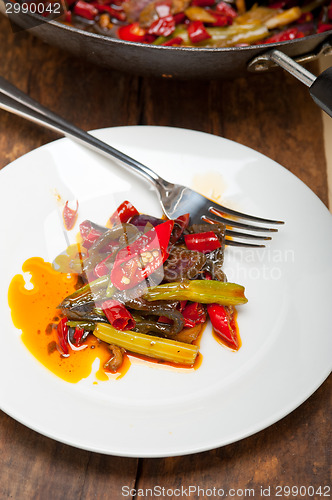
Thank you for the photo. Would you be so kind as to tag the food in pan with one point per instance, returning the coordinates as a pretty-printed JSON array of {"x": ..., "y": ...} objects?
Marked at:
[
  {"x": 139, "y": 285},
  {"x": 201, "y": 23}
]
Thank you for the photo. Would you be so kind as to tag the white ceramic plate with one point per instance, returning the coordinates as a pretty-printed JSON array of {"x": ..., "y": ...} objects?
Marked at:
[{"x": 285, "y": 327}]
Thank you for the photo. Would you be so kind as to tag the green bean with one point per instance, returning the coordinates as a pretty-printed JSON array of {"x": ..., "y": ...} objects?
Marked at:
[
  {"x": 146, "y": 325},
  {"x": 86, "y": 314},
  {"x": 148, "y": 345},
  {"x": 203, "y": 291},
  {"x": 222, "y": 36}
]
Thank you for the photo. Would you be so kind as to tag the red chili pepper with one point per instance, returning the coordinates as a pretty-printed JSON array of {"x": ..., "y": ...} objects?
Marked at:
[
  {"x": 157, "y": 237},
  {"x": 181, "y": 305},
  {"x": 118, "y": 315},
  {"x": 221, "y": 19},
  {"x": 179, "y": 18},
  {"x": 101, "y": 269},
  {"x": 69, "y": 216},
  {"x": 283, "y": 36},
  {"x": 132, "y": 33},
  {"x": 306, "y": 17},
  {"x": 89, "y": 234},
  {"x": 180, "y": 224},
  {"x": 164, "y": 319},
  {"x": 202, "y": 242},
  {"x": 164, "y": 26},
  {"x": 197, "y": 32},
  {"x": 278, "y": 5},
  {"x": 68, "y": 17},
  {"x": 329, "y": 12},
  {"x": 149, "y": 38},
  {"x": 123, "y": 213},
  {"x": 137, "y": 261},
  {"x": 78, "y": 334},
  {"x": 85, "y": 9},
  {"x": 177, "y": 40},
  {"x": 203, "y": 3},
  {"x": 324, "y": 27},
  {"x": 117, "y": 14},
  {"x": 194, "y": 313},
  {"x": 227, "y": 10},
  {"x": 62, "y": 331},
  {"x": 85, "y": 228},
  {"x": 223, "y": 325}
]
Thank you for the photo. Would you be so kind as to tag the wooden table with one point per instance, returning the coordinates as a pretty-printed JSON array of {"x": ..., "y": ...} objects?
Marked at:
[{"x": 270, "y": 113}]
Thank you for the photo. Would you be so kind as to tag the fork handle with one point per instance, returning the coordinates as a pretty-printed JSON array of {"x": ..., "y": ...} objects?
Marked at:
[{"x": 15, "y": 101}]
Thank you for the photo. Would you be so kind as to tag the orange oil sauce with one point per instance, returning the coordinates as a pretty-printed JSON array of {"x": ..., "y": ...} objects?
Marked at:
[{"x": 34, "y": 310}]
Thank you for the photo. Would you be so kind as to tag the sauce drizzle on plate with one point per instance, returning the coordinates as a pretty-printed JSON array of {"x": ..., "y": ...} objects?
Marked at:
[{"x": 34, "y": 311}]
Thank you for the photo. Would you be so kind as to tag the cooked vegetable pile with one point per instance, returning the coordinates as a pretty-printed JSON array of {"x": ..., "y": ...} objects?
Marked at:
[
  {"x": 147, "y": 286},
  {"x": 201, "y": 23}
]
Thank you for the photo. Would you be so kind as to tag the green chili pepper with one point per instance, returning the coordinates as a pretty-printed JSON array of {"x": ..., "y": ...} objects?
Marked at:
[
  {"x": 91, "y": 292},
  {"x": 87, "y": 325}
]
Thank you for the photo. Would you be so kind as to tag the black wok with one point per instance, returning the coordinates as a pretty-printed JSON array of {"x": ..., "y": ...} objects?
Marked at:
[{"x": 188, "y": 62}]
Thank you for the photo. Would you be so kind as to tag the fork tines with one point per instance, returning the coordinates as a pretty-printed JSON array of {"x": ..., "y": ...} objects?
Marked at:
[
  {"x": 230, "y": 223},
  {"x": 224, "y": 210}
]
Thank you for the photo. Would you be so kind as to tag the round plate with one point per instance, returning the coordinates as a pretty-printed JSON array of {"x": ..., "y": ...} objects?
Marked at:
[{"x": 157, "y": 411}]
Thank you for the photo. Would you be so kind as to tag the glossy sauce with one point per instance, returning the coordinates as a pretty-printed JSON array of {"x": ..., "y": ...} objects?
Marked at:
[{"x": 34, "y": 311}]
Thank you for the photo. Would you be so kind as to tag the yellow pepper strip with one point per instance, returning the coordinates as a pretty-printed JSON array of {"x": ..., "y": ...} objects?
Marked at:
[
  {"x": 199, "y": 14},
  {"x": 234, "y": 34},
  {"x": 256, "y": 15},
  {"x": 240, "y": 6},
  {"x": 286, "y": 17},
  {"x": 148, "y": 345}
]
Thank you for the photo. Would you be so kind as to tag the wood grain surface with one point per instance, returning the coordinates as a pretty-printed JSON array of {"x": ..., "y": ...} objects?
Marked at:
[{"x": 270, "y": 113}]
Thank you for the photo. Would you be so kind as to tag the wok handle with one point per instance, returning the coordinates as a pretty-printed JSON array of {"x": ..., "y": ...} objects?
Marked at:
[
  {"x": 320, "y": 87},
  {"x": 321, "y": 91},
  {"x": 15, "y": 101}
]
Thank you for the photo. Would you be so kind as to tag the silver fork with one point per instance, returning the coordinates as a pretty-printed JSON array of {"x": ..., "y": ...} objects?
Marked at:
[{"x": 175, "y": 199}]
